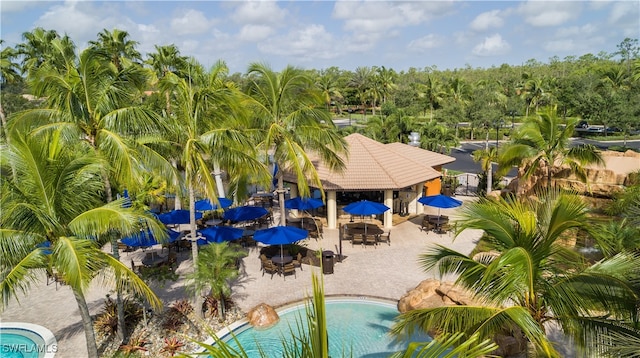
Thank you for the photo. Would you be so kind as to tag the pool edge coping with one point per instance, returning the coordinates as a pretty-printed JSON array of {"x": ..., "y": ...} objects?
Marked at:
[{"x": 46, "y": 334}]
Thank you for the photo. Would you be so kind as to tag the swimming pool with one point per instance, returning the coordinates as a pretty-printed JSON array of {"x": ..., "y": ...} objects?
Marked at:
[
  {"x": 357, "y": 327},
  {"x": 26, "y": 340}
]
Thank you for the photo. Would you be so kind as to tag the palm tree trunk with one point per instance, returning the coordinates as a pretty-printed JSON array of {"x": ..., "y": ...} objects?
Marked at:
[
  {"x": 87, "y": 324},
  {"x": 217, "y": 174},
  {"x": 222, "y": 308},
  {"x": 3, "y": 120},
  {"x": 281, "y": 191},
  {"x": 121, "y": 329},
  {"x": 489, "y": 175},
  {"x": 194, "y": 245}
]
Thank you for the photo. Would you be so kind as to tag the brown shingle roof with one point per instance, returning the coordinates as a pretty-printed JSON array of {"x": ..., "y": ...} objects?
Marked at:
[{"x": 372, "y": 165}]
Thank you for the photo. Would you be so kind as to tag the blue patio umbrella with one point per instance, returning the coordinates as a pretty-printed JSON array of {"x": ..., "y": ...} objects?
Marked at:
[
  {"x": 175, "y": 217},
  {"x": 47, "y": 245},
  {"x": 300, "y": 203},
  {"x": 221, "y": 233},
  {"x": 440, "y": 201},
  {"x": 280, "y": 235},
  {"x": 146, "y": 238},
  {"x": 127, "y": 200},
  {"x": 206, "y": 204},
  {"x": 365, "y": 207},
  {"x": 243, "y": 213}
]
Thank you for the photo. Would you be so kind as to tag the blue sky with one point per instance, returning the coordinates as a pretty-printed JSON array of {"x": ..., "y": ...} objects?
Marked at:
[{"x": 346, "y": 34}]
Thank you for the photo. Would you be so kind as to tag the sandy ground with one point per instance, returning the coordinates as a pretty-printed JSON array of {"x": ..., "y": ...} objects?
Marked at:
[{"x": 387, "y": 271}]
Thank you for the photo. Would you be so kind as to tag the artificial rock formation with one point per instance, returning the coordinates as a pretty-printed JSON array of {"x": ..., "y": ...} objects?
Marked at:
[
  {"x": 262, "y": 316},
  {"x": 602, "y": 181},
  {"x": 433, "y": 293}
]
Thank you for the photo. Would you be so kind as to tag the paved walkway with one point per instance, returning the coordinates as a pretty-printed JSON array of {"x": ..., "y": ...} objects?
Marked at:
[{"x": 387, "y": 271}]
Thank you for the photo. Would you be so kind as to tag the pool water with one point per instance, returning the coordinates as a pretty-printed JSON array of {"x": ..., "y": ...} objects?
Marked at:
[
  {"x": 356, "y": 327},
  {"x": 19, "y": 343},
  {"x": 26, "y": 340}
]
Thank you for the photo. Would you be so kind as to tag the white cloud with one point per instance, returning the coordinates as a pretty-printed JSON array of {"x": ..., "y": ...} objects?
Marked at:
[
  {"x": 311, "y": 42},
  {"x": 549, "y": 13},
  {"x": 626, "y": 13},
  {"x": 259, "y": 12},
  {"x": 15, "y": 6},
  {"x": 487, "y": 20},
  {"x": 255, "y": 33},
  {"x": 575, "y": 45},
  {"x": 380, "y": 17},
  {"x": 492, "y": 46},
  {"x": 586, "y": 29},
  {"x": 190, "y": 22},
  {"x": 426, "y": 42}
]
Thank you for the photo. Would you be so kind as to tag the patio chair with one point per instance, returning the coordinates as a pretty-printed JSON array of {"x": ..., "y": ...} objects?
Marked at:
[
  {"x": 426, "y": 225},
  {"x": 357, "y": 239},
  {"x": 269, "y": 267},
  {"x": 369, "y": 239},
  {"x": 385, "y": 237},
  {"x": 288, "y": 269},
  {"x": 297, "y": 262}
]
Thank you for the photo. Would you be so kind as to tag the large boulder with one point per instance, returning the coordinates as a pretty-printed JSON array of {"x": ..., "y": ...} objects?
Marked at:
[
  {"x": 262, "y": 316},
  {"x": 433, "y": 293},
  {"x": 602, "y": 181}
]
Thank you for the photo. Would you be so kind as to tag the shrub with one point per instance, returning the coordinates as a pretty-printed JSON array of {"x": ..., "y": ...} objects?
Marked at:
[
  {"x": 106, "y": 322},
  {"x": 171, "y": 345},
  {"x": 135, "y": 345}
]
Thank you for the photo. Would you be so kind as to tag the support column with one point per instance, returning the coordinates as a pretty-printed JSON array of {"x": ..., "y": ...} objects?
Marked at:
[
  {"x": 332, "y": 209},
  {"x": 388, "y": 215},
  {"x": 419, "y": 207},
  {"x": 293, "y": 192}
]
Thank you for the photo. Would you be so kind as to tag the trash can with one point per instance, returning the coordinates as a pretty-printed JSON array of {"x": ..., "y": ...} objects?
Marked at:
[{"x": 327, "y": 262}]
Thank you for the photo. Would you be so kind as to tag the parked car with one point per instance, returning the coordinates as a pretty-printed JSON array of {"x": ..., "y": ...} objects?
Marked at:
[{"x": 582, "y": 124}]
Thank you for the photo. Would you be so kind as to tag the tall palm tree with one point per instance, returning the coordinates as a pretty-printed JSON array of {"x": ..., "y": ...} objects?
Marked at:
[
  {"x": 386, "y": 77},
  {"x": 531, "y": 278},
  {"x": 97, "y": 104},
  {"x": 437, "y": 137},
  {"x": 45, "y": 46},
  {"x": 217, "y": 267},
  {"x": 9, "y": 72},
  {"x": 121, "y": 51},
  {"x": 433, "y": 92},
  {"x": 165, "y": 60},
  {"x": 544, "y": 140},
  {"x": 361, "y": 83},
  {"x": 53, "y": 196},
  {"x": 207, "y": 128},
  {"x": 288, "y": 111},
  {"x": 327, "y": 83},
  {"x": 486, "y": 157}
]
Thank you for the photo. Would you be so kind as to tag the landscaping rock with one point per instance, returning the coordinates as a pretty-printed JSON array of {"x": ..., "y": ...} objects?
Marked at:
[{"x": 262, "y": 316}]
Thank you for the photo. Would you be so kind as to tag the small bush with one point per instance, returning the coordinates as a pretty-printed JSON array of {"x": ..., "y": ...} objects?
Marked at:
[
  {"x": 106, "y": 322},
  {"x": 171, "y": 346},
  {"x": 183, "y": 306},
  {"x": 135, "y": 345}
]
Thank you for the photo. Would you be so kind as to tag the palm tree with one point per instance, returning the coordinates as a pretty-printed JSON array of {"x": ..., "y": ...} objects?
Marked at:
[
  {"x": 45, "y": 46},
  {"x": 486, "y": 157},
  {"x": 217, "y": 266},
  {"x": 122, "y": 51},
  {"x": 361, "y": 83},
  {"x": 531, "y": 278},
  {"x": 544, "y": 141},
  {"x": 288, "y": 111},
  {"x": 9, "y": 72},
  {"x": 167, "y": 59},
  {"x": 437, "y": 137},
  {"x": 53, "y": 196},
  {"x": 96, "y": 104},
  {"x": 433, "y": 92},
  {"x": 327, "y": 83},
  {"x": 207, "y": 128},
  {"x": 386, "y": 78}
]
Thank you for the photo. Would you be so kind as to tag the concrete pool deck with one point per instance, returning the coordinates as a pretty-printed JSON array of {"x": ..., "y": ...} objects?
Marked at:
[{"x": 386, "y": 271}]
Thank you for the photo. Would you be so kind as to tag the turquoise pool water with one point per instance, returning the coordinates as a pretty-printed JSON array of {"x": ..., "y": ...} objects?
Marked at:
[
  {"x": 357, "y": 328},
  {"x": 24, "y": 340}
]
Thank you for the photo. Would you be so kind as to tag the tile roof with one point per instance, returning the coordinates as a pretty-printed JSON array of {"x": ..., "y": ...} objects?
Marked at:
[{"x": 372, "y": 165}]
